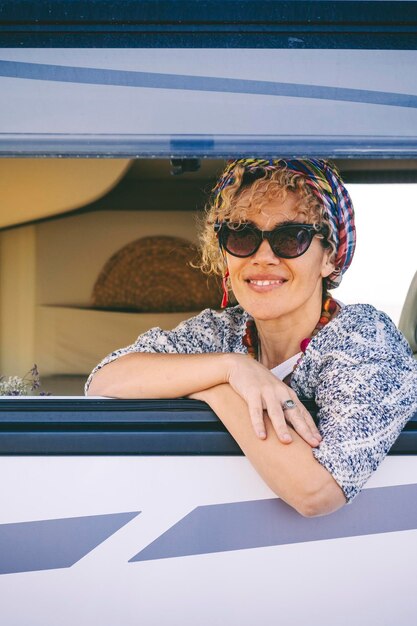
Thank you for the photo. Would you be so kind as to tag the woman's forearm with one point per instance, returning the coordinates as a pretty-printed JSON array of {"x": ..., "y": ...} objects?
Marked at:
[
  {"x": 290, "y": 469},
  {"x": 145, "y": 375}
]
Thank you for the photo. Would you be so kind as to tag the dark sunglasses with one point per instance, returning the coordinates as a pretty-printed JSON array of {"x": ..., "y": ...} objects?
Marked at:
[{"x": 288, "y": 241}]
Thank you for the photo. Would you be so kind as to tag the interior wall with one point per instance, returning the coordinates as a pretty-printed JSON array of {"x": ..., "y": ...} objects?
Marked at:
[
  {"x": 17, "y": 300},
  {"x": 71, "y": 251}
]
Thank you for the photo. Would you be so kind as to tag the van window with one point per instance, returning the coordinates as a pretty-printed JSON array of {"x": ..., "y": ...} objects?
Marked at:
[{"x": 52, "y": 254}]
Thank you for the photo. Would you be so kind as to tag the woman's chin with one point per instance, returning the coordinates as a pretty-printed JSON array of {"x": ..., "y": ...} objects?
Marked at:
[{"x": 264, "y": 312}]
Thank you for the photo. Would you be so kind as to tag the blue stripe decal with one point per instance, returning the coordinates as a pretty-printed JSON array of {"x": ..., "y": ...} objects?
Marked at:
[
  {"x": 55, "y": 543},
  {"x": 261, "y": 523},
  {"x": 153, "y": 80}
]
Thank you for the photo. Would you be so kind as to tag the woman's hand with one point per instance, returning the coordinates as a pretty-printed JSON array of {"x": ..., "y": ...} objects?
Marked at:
[{"x": 262, "y": 391}]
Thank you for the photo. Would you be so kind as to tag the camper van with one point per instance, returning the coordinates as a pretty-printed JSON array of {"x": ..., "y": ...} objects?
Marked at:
[{"x": 115, "y": 120}]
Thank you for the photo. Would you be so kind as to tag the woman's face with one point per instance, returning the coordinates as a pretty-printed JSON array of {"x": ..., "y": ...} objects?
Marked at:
[{"x": 269, "y": 287}]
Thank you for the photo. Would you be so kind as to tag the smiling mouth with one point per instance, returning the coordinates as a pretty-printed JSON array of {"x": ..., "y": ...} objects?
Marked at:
[{"x": 266, "y": 283}]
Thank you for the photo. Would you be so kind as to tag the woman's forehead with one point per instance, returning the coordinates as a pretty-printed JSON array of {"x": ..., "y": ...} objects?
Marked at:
[{"x": 269, "y": 211}]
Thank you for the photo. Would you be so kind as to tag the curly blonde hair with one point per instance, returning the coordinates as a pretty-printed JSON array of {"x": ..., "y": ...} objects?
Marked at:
[{"x": 260, "y": 187}]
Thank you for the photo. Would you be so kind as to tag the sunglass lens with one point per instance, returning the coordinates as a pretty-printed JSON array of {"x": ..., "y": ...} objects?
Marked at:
[
  {"x": 241, "y": 241},
  {"x": 291, "y": 242}
]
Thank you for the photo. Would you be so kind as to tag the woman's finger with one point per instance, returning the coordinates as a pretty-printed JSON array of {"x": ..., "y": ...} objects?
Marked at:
[
  {"x": 305, "y": 415},
  {"x": 277, "y": 417},
  {"x": 257, "y": 417},
  {"x": 296, "y": 417}
]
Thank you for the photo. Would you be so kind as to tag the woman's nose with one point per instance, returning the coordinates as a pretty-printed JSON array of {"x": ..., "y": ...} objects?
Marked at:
[{"x": 264, "y": 254}]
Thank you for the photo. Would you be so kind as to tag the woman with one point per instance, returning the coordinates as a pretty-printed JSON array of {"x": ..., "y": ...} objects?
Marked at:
[{"x": 282, "y": 233}]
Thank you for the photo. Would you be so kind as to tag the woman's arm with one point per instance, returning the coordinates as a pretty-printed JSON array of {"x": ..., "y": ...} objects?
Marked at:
[
  {"x": 292, "y": 472},
  {"x": 145, "y": 375}
]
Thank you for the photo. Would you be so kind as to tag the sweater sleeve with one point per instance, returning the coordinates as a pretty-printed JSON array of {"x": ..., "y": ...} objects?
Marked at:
[
  {"x": 363, "y": 377},
  {"x": 210, "y": 331}
]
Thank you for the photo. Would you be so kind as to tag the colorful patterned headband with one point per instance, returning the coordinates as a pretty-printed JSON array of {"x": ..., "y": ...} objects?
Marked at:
[{"x": 326, "y": 184}]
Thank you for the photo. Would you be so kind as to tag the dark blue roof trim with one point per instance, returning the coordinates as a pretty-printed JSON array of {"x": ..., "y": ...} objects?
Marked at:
[
  {"x": 190, "y": 12},
  {"x": 212, "y": 23},
  {"x": 138, "y": 427}
]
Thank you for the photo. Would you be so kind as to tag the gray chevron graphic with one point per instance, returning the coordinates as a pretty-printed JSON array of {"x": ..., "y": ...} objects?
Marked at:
[
  {"x": 55, "y": 543},
  {"x": 261, "y": 523}
]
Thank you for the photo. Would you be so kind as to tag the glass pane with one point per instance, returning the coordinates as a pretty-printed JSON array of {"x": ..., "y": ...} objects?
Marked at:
[{"x": 385, "y": 260}]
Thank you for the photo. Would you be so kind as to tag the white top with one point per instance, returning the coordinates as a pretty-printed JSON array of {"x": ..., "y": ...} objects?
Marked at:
[{"x": 283, "y": 369}]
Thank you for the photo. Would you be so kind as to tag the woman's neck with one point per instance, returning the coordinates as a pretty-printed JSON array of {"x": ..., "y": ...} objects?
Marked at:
[{"x": 280, "y": 339}]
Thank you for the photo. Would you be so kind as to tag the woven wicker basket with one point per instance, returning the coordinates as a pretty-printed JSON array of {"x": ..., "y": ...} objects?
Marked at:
[{"x": 153, "y": 274}]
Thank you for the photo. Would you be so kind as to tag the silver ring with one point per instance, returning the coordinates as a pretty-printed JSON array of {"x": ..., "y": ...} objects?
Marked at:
[{"x": 288, "y": 404}]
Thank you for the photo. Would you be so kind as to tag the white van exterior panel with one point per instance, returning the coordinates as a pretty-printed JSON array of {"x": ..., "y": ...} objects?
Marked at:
[{"x": 344, "y": 580}]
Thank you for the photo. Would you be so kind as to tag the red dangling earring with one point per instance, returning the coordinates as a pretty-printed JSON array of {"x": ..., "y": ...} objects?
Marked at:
[{"x": 225, "y": 298}]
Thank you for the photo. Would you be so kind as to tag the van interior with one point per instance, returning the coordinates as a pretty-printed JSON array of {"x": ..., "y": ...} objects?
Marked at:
[{"x": 63, "y": 221}]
